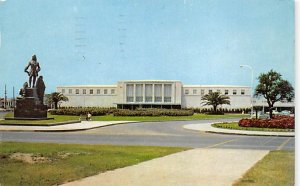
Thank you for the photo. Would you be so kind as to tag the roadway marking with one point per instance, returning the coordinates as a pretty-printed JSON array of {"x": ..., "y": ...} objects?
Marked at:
[
  {"x": 269, "y": 140},
  {"x": 283, "y": 144},
  {"x": 212, "y": 146}
]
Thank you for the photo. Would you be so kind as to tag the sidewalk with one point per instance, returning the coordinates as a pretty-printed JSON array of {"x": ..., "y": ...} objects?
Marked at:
[
  {"x": 206, "y": 127},
  {"x": 205, "y": 166},
  {"x": 84, "y": 125}
]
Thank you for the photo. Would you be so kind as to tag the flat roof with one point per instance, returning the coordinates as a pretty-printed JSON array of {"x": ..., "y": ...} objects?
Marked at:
[
  {"x": 215, "y": 86},
  {"x": 88, "y": 86}
]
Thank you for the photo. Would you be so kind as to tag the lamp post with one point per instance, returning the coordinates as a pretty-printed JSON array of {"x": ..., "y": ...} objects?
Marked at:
[{"x": 251, "y": 102}]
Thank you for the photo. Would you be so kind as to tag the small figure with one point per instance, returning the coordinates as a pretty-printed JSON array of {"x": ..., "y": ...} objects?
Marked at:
[
  {"x": 34, "y": 69},
  {"x": 89, "y": 117}
]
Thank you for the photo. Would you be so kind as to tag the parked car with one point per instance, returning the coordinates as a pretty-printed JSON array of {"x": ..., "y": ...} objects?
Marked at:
[{"x": 285, "y": 113}]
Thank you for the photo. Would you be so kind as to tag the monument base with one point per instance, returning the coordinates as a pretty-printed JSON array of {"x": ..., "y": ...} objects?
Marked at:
[
  {"x": 19, "y": 118},
  {"x": 30, "y": 106}
]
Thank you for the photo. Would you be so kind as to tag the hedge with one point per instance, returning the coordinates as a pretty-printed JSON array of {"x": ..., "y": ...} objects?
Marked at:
[
  {"x": 153, "y": 112},
  {"x": 220, "y": 110},
  {"x": 95, "y": 111},
  {"x": 282, "y": 122},
  {"x": 98, "y": 111}
]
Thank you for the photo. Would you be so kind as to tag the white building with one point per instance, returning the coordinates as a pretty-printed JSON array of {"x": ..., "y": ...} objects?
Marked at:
[{"x": 151, "y": 93}]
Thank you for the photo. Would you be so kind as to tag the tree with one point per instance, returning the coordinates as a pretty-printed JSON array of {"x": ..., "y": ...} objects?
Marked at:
[
  {"x": 214, "y": 99},
  {"x": 56, "y": 97},
  {"x": 273, "y": 88}
]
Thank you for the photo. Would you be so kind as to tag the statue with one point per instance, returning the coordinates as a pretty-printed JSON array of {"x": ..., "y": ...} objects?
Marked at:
[
  {"x": 40, "y": 88},
  {"x": 34, "y": 69}
]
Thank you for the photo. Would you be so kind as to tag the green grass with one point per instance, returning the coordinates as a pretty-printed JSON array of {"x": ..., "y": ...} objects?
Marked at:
[
  {"x": 277, "y": 168},
  {"x": 235, "y": 126},
  {"x": 61, "y": 118},
  {"x": 164, "y": 118},
  {"x": 81, "y": 161}
]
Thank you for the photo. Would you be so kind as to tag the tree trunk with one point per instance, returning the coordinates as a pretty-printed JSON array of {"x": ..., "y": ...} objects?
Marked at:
[
  {"x": 55, "y": 105},
  {"x": 270, "y": 111},
  {"x": 215, "y": 108}
]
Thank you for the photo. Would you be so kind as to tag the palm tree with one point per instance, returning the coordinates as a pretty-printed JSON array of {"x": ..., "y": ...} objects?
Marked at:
[
  {"x": 215, "y": 99},
  {"x": 56, "y": 97}
]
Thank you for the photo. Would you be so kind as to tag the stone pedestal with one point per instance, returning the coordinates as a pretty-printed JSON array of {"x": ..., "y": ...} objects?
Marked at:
[{"x": 30, "y": 106}]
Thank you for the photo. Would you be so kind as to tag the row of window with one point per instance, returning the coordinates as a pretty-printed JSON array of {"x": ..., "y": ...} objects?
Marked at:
[
  {"x": 148, "y": 99},
  {"x": 88, "y": 91},
  {"x": 226, "y": 92}
]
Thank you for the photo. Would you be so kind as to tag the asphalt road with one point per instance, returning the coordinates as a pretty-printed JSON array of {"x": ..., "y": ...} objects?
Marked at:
[{"x": 155, "y": 134}]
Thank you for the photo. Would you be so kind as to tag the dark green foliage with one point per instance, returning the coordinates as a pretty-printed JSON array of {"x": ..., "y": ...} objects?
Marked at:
[
  {"x": 214, "y": 99},
  {"x": 273, "y": 88},
  {"x": 55, "y": 98},
  {"x": 77, "y": 111},
  {"x": 154, "y": 112}
]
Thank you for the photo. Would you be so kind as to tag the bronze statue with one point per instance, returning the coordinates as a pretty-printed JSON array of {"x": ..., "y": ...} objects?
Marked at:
[
  {"x": 34, "y": 69},
  {"x": 22, "y": 90}
]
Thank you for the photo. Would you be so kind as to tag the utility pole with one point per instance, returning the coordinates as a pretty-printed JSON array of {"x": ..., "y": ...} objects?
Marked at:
[
  {"x": 5, "y": 97},
  {"x": 14, "y": 101}
]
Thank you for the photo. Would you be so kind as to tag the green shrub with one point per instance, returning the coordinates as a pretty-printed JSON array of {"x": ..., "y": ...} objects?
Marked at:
[
  {"x": 153, "y": 112},
  {"x": 95, "y": 111}
]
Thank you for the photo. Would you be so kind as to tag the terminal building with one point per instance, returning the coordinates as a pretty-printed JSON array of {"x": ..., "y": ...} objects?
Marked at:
[{"x": 151, "y": 94}]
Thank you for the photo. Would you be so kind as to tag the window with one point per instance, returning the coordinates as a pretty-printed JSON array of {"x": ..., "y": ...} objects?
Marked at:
[
  {"x": 148, "y": 92},
  {"x": 112, "y": 91},
  {"x": 210, "y": 91},
  {"x": 226, "y": 92},
  {"x": 77, "y": 91},
  {"x": 83, "y": 91},
  {"x": 98, "y": 91},
  {"x": 194, "y": 91},
  {"x": 158, "y": 93},
  {"x": 129, "y": 93},
  {"x": 242, "y": 92},
  {"x": 219, "y": 91},
  {"x": 91, "y": 91},
  {"x": 167, "y": 93},
  {"x": 105, "y": 91},
  {"x": 234, "y": 92},
  {"x": 186, "y": 91},
  {"x": 63, "y": 90},
  {"x": 139, "y": 92},
  {"x": 70, "y": 91},
  {"x": 202, "y": 91}
]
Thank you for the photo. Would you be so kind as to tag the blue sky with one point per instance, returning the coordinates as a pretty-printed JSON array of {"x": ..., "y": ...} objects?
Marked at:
[{"x": 103, "y": 41}]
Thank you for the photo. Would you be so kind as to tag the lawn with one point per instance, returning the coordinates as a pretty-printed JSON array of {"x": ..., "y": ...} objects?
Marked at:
[
  {"x": 52, "y": 164},
  {"x": 277, "y": 168},
  {"x": 235, "y": 126},
  {"x": 61, "y": 118}
]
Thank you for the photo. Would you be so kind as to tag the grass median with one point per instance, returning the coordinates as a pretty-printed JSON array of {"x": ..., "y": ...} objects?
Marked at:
[
  {"x": 235, "y": 126},
  {"x": 52, "y": 164},
  {"x": 277, "y": 168},
  {"x": 62, "y": 118}
]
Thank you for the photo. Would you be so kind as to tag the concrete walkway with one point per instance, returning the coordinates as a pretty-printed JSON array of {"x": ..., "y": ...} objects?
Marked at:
[
  {"x": 206, "y": 127},
  {"x": 204, "y": 166},
  {"x": 84, "y": 125}
]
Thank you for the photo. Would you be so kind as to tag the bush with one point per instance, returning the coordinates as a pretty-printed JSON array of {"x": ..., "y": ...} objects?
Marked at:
[
  {"x": 282, "y": 122},
  {"x": 95, "y": 111},
  {"x": 153, "y": 112}
]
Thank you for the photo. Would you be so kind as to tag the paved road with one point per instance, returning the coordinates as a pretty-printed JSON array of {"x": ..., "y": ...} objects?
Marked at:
[{"x": 155, "y": 134}]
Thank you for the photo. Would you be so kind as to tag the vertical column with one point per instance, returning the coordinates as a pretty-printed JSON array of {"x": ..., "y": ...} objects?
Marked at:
[
  {"x": 134, "y": 93},
  {"x": 153, "y": 97},
  {"x": 144, "y": 93},
  {"x": 163, "y": 92}
]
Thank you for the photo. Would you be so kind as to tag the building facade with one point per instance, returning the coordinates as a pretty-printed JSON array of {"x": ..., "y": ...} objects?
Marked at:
[{"x": 151, "y": 94}]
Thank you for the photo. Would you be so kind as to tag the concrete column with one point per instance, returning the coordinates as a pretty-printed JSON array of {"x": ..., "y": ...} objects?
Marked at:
[
  {"x": 163, "y": 93},
  {"x": 133, "y": 92},
  {"x": 153, "y": 85},
  {"x": 144, "y": 92}
]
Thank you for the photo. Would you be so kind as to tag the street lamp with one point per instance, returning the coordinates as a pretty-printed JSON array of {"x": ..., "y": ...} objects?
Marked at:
[{"x": 247, "y": 66}]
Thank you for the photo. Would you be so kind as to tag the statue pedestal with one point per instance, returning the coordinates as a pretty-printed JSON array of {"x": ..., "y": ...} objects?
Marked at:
[{"x": 30, "y": 106}]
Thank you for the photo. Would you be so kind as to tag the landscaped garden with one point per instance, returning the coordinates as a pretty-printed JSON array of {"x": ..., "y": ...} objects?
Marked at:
[
  {"x": 113, "y": 114},
  {"x": 276, "y": 124},
  {"x": 53, "y": 164}
]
